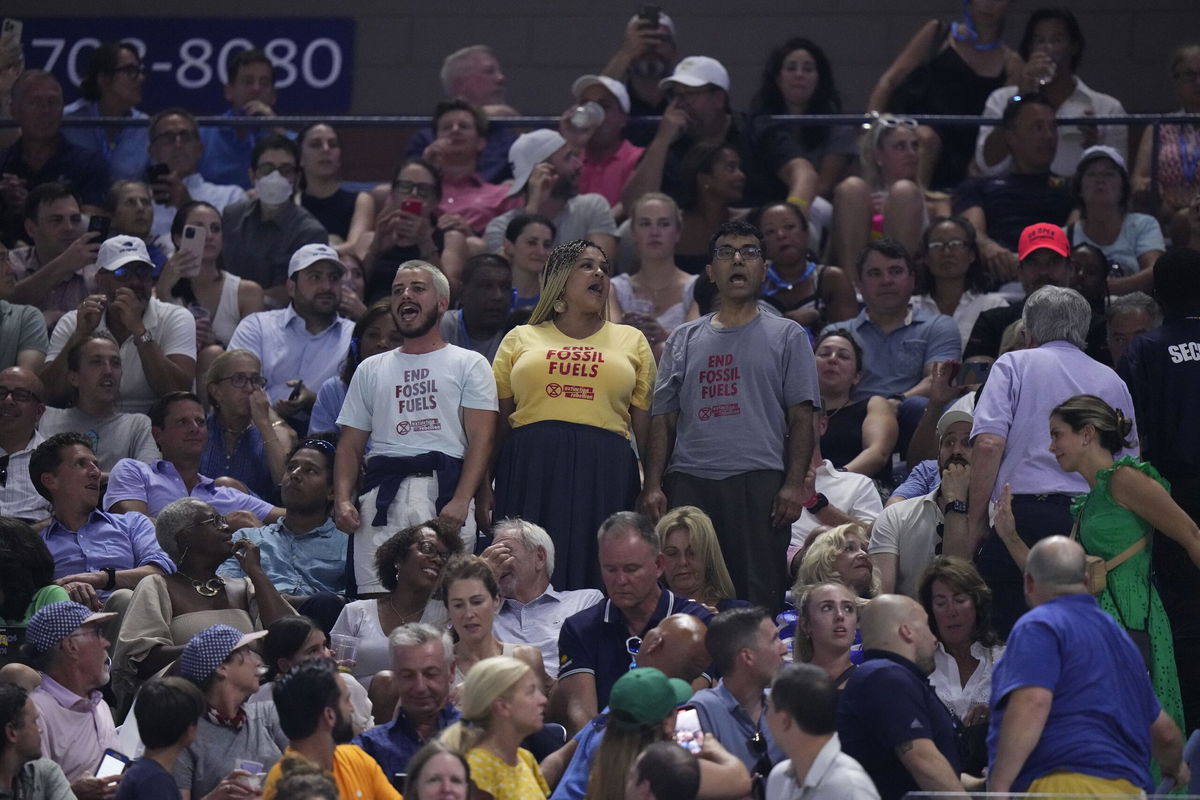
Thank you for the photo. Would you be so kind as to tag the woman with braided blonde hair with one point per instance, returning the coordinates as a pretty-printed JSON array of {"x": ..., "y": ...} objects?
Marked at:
[
  {"x": 1115, "y": 521},
  {"x": 574, "y": 389}
]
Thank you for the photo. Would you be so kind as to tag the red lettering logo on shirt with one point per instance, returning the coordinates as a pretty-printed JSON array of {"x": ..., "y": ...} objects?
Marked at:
[{"x": 579, "y": 392}]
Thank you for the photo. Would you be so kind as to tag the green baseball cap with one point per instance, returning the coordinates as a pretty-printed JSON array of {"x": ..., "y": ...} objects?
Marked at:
[{"x": 645, "y": 696}]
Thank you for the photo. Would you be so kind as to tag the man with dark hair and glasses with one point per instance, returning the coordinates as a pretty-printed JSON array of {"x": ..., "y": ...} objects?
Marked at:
[
  {"x": 65, "y": 643},
  {"x": 21, "y": 407},
  {"x": 94, "y": 372},
  {"x": 303, "y": 553},
  {"x": 95, "y": 553},
  {"x": 175, "y": 144},
  {"x": 262, "y": 234},
  {"x": 180, "y": 429},
  {"x": 908, "y": 534},
  {"x": 732, "y": 429},
  {"x": 157, "y": 340}
]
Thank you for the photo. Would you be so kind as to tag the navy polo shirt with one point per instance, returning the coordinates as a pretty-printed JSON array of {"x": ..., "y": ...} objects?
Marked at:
[
  {"x": 887, "y": 702},
  {"x": 81, "y": 169},
  {"x": 593, "y": 641},
  {"x": 394, "y": 743}
]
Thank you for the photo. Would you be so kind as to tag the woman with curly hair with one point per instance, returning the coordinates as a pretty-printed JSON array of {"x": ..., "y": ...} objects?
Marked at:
[
  {"x": 409, "y": 566},
  {"x": 574, "y": 389},
  {"x": 840, "y": 554}
]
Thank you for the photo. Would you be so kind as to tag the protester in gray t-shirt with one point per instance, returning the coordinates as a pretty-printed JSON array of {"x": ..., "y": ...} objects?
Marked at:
[
  {"x": 94, "y": 373},
  {"x": 732, "y": 421}
]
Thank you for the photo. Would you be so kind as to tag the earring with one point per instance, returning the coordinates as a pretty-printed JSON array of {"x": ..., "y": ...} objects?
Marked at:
[{"x": 560, "y": 306}]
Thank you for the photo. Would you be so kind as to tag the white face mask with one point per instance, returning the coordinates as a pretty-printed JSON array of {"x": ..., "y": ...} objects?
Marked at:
[{"x": 273, "y": 189}]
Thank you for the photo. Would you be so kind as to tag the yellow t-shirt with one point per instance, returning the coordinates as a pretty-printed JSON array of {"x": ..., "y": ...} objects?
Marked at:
[
  {"x": 504, "y": 782},
  {"x": 590, "y": 381},
  {"x": 357, "y": 775}
]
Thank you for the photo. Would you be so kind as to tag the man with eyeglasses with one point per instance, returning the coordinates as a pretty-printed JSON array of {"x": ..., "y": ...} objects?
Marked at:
[
  {"x": 175, "y": 144},
  {"x": 65, "y": 643},
  {"x": 181, "y": 432},
  {"x": 94, "y": 372},
  {"x": 303, "y": 552},
  {"x": 546, "y": 178},
  {"x": 263, "y": 233},
  {"x": 96, "y": 554},
  {"x": 21, "y": 407},
  {"x": 699, "y": 113},
  {"x": 303, "y": 344},
  {"x": 157, "y": 340},
  {"x": 112, "y": 88},
  {"x": 731, "y": 427},
  {"x": 909, "y": 534}
]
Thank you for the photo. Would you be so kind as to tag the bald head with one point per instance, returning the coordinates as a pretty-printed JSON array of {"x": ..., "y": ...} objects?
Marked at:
[
  {"x": 677, "y": 647},
  {"x": 18, "y": 418},
  {"x": 1056, "y": 566},
  {"x": 881, "y": 619},
  {"x": 19, "y": 376}
]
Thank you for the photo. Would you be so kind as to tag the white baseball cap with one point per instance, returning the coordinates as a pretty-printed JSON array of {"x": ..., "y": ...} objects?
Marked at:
[
  {"x": 529, "y": 150},
  {"x": 310, "y": 254},
  {"x": 698, "y": 71},
  {"x": 121, "y": 250},
  {"x": 614, "y": 86}
]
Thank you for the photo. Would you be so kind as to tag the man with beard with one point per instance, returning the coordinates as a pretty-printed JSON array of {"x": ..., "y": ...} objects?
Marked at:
[
  {"x": 96, "y": 553},
  {"x": 647, "y": 54},
  {"x": 889, "y": 719},
  {"x": 302, "y": 345},
  {"x": 94, "y": 372},
  {"x": 1045, "y": 260},
  {"x": 1010, "y": 455},
  {"x": 732, "y": 429},
  {"x": 157, "y": 339},
  {"x": 65, "y": 643},
  {"x": 428, "y": 410},
  {"x": 546, "y": 177},
  {"x": 303, "y": 553},
  {"x": 485, "y": 299},
  {"x": 314, "y": 711},
  {"x": 908, "y": 534},
  {"x": 533, "y": 611}
]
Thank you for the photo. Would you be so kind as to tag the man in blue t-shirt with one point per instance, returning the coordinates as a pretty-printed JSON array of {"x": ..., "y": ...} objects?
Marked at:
[
  {"x": 1072, "y": 708},
  {"x": 890, "y": 720}
]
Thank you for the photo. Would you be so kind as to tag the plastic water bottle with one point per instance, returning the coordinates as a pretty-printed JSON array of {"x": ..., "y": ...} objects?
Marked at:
[{"x": 587, "y": 115}]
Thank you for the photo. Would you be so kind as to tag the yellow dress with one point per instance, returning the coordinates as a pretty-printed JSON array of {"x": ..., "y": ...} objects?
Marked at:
[{"x": 503, "y": 781}]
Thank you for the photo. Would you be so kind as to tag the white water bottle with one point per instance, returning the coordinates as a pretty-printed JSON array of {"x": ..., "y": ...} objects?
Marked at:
[{"x": 587, "y": 115}]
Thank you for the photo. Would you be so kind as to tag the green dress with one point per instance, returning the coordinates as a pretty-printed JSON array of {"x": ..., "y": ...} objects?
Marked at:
[{"x": 1105, "y": 530}]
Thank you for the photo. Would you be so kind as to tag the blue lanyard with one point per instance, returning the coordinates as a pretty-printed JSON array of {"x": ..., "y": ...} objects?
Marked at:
[
  {"x": 1188, "y": 160},
  {"x": 776, "y": 284},
  {"x": 965, "y": 31}
]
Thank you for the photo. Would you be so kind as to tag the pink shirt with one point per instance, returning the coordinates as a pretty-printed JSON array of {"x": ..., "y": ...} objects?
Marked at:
[
  {"x": 609, "y": 177},
  {"x": 67, "y": 295},
  {"x": 75, "y": 730},
  {"x": 479, "y": 202}
]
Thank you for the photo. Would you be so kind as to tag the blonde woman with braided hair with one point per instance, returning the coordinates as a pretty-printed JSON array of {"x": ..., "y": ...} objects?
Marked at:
[
  {"x": 574, "y": 389},
  {"x": 502, "y": 703},
  {"x": 1115, "y": 521}
]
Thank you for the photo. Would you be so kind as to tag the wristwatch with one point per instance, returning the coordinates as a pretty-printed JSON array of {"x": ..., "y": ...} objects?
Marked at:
[
  {"x": 145, "y": 337},
  {"x": 111, "y": 572},
  {"x": 817, "y": 504},
  {"x": 958, "y": 506}
]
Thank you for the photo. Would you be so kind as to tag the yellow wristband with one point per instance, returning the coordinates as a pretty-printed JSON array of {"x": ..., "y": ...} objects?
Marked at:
[{"x": 800, "y": 201}]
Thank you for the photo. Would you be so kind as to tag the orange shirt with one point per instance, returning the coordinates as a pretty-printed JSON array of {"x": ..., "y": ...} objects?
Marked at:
[{"x": 356, "y": 774}]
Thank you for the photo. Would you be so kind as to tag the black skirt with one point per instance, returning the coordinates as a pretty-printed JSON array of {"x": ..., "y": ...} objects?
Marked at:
[{"x": 568, "y": 478}]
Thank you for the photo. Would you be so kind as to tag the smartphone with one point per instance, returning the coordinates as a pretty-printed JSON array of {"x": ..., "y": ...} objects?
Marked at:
[
  {"x": 974, "y": 373},
  {"x": 10, "y": 31},
  {"x": 414, "y": 207},
  {"x": 99, "y": 224},
  {"x": 649, "y": 15},
  {"x": 398, "y": 779},
  {"x": 154, "y": 174},
  {"x": 192, "y": 241},
  {"x": 112, "y": 763},
  {"x": 687, "y": 730}
]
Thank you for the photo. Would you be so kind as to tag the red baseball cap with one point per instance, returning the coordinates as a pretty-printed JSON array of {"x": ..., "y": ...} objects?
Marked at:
[{"x": 1043, "y": 235}]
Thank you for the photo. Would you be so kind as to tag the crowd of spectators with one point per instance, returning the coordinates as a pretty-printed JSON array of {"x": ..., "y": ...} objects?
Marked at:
[{"x": 565, "y": 444}]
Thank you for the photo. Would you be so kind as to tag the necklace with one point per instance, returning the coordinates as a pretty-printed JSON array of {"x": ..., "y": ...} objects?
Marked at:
[
  {"x": 209, "y": 588},
  {"x": 832, "y": 414},
  {"x": 404, "y": 617}
]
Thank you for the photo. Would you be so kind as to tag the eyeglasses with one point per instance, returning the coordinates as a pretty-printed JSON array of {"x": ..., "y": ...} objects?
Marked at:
[
  {"x": 218, "y": 521},
  {"x": 175, "y": 137},
  {"x": 266, "y": 168},
  {"x": 633, "y": 646},
  {"x": 240, "y": 379},
  {"x": 757, "y": 744},
  {"x": 941, "y": 534},
  {"x": 319, "y": 444},
  {"x": 748, "y": 252},
  {"x": 429, "y": 551},
  {"x": 135, "y": 270},
  {"x": 414, "y": 188},
  {"x": 132, "y": 70},
  {"x": 19, "y": 395},
  {"x": 953, "y": 246}
]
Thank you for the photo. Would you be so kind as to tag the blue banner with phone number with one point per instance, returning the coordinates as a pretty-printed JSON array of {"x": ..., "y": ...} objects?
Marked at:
[{"x": 186, "y": 59}]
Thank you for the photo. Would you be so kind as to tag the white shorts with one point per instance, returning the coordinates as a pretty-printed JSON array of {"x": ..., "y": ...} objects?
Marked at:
[{"x": 415, "y": 502}]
